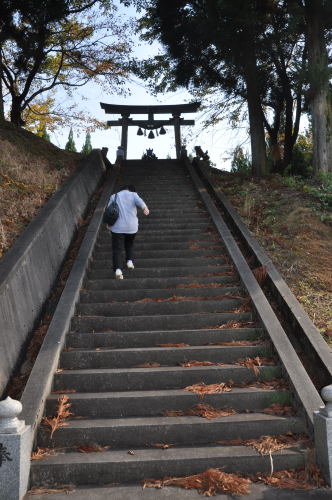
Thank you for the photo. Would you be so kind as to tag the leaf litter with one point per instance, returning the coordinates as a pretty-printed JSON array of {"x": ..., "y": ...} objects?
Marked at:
[
  {"x": 294, "y": 479},
  {"x": 238, "y": 342},
  {"x": 42, "y": 453},
  {"x": 179, "y": 298},
  {"x": 208, "y": 483},
  {"x": 201, "y": 410},
  {"x": 35, "y": 490},
  {"x": 202, "y": 388},
  {"x": 233, "y": 324},
  {"x": 254, "y": 363},
  {"x": 92, "y": 448}
]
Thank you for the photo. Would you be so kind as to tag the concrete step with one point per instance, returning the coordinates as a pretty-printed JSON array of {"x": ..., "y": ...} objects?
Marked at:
[
  {"x": 136, "y": 379},
  {"x": 171, "y": 246},
  {"x": 162, "y": 272},
  {"x": 159, "y": 282},
  {"x": 133, "y": 295},
  {"x": 116, "y": 466},
  {"x": 158, "y": 322},
  {"x": 193, "y": 306},
  {"x": 181, "y": 223},
  {"x": 165, "y": 262},
  {"x": 168, "y": 242},
  {"x": 171, "y": 356},
  {"x": 153, "y": 338},
  {"x": 162, "y": 255},
  {"x": 134, "y": 491},
  {"x": 149, "y": 403},
  {"x": 137, "y": 432}
]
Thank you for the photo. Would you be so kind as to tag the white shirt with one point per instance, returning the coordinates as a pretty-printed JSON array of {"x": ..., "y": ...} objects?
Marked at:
[{"x": 128, "y": 202}]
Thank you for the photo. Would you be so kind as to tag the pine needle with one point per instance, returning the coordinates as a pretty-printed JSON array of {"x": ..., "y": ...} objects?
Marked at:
[
  {"x": 45, "y": 491},
  {"x": 201, "y": 410},
  {"x": 234, "y": 324},
  {"x": 238, "y": 342},
  {"x": 295, "y": 479},
  {"x": 62, "y": 413},
  {"x": 194, "y": 362},
  {"x": 208, "y": 483},
  {"x": 279, "y": 409},
  {"x": 92, "y": 448},
  {"x": 202, "y": 388},
  {"x": 254, "y": 363},
  {"x": 41, "y": 453}
]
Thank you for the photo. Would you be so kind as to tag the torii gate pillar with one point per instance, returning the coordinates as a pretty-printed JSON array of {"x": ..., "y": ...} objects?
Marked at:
[
  {"x": 151, "y": 123},
  {"x": 124, "y": 133},
  {"x": 177, "y": 134}
]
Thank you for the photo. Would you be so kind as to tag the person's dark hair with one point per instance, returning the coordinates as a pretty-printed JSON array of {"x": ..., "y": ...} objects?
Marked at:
[{"x": 130, "y": 187}]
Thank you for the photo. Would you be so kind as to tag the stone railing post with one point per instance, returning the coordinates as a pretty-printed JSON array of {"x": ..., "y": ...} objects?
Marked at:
[
  {"x": 323, "y": 434},
  {"x": 14, "y": 451}
]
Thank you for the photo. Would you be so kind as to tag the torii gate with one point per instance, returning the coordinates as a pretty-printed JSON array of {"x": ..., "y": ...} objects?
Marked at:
[{"x": 150, "y": 124}]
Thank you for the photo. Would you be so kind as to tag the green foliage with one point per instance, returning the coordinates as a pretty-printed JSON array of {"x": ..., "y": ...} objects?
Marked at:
[
  {"x": 70, "y": 146},
  {"x": 240, "y": 162},
  {"x": 302, "y": 156},
  {"x": 87, "y": 147}
]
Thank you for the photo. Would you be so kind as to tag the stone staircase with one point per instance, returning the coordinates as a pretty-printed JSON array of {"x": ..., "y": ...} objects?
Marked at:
[{"x": 121, "y": 368}]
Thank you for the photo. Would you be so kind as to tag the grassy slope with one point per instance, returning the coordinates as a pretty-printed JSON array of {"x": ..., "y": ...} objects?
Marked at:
[
  {"x": 31, "y": 169},
  {"x": 287, "y": 223}
]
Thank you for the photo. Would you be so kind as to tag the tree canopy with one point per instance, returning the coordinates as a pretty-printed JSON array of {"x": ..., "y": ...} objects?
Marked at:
[
  {"x": 254, "y": 50},
  {"x": 50, "y": 44}
]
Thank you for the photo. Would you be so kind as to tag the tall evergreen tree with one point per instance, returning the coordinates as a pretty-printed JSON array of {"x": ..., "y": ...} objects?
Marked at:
[
  {"x": 45, "y": 135},
  {"x": 87, "y": 147},
  {"x": 70, "y": 146}
]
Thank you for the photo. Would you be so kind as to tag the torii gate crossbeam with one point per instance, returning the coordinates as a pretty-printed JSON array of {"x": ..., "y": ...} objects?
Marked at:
[{"x": 150, "y": 124}]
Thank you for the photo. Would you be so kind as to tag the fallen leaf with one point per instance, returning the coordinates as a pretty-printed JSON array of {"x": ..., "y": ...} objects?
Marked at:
[{"x": 62, "y": 413}]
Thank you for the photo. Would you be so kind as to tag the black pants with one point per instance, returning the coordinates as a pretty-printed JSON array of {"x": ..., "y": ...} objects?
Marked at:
[{"x": 117, "y": 244}]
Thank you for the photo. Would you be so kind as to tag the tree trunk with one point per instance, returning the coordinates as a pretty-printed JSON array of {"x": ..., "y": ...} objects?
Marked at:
[
  {"x": 320, "y": 97},
  {"x": 2, "y": 111},
  {"x": 16, "y": 112},
  {"x": 256, "y": 117}
]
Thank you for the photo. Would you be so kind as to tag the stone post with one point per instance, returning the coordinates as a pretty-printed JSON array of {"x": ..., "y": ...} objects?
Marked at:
[
  {"x": 323, "y": 434},
  {"x": 15, "y": 449}
]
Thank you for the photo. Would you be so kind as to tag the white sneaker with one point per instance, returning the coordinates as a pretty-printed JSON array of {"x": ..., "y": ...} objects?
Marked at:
[
  {"x": 118, "y": 274},
  {"x": 130, "y": 264}
]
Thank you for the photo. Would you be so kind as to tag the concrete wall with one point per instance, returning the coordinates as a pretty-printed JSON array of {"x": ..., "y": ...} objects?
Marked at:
[{"x": 28, "y": 270}]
